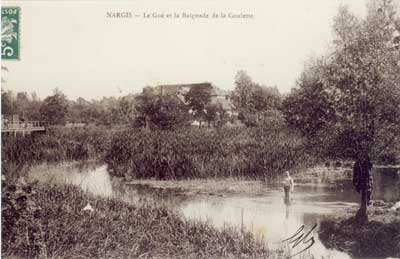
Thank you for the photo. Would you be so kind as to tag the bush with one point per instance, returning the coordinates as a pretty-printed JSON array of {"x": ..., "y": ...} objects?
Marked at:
[{"x": 203, "y": 153}]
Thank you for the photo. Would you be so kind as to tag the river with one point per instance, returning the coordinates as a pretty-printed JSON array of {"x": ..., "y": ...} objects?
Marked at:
[{"x": 265, "y": 214}]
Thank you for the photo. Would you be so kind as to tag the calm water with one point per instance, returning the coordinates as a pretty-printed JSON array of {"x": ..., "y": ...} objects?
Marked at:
[{"x": 266, "y": 215}]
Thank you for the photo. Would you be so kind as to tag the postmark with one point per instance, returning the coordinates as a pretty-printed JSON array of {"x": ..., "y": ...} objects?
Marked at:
[{"x": 10, "y": 33}]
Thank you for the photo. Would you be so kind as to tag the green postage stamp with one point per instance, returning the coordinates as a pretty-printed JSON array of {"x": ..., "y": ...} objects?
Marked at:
[{"x": 10, "y": 33}]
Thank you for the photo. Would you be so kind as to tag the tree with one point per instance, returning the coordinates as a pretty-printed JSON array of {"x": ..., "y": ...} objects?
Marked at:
[
  {"x": 7, "y": 103},
  {"x": 348, "y": 103},
  {"x": 253, "y": 101},
  {"x": 241, "y": 96},
  {"x": 33, "y": 108},
  {"x": 160, "y": 112},
  {"x": 120, "y": 110},
  {"x": 197, "y": 99},
  {"x": 265, "y": 98},
  {"x": 54, "y": 108},
  {"x": 216, "y": 115},
  {"x": 22, "y": 103}
]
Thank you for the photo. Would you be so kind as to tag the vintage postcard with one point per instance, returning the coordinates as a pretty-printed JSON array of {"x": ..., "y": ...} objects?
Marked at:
[{"x": 200, "y": 129}]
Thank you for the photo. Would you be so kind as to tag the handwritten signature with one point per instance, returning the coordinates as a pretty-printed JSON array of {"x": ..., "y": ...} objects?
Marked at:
[{"x": 301, "y": 238}]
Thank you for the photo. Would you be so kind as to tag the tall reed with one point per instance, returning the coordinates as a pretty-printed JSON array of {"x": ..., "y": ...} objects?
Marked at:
[
  {"x": 58, "y": 144},
  {"x": 205, "y": 153}
]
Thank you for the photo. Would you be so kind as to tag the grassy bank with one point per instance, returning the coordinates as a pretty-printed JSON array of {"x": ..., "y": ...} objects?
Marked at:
[
  {"x": 249, "y": 153},
  {"x": 48, "y": 221},
  {"x": 380, "y": 237}
]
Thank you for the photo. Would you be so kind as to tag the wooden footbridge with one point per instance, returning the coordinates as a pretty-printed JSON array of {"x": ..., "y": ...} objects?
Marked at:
[{"x": 23, "y": 127}]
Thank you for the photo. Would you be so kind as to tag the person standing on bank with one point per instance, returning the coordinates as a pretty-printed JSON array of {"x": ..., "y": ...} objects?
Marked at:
[{"x": 288, "y": 185}]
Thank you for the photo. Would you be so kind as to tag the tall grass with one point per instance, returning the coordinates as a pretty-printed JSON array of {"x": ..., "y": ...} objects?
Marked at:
[
  {"x": 48, "y": 222},
  {"x": 58, "y": 144},
  {"x": 254, "y": 153}
]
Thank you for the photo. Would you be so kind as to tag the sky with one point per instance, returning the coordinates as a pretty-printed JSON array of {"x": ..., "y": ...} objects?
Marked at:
[{"x": 74, "y": 46}]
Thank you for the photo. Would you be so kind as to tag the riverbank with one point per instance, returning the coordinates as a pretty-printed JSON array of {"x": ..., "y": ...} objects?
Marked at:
[
  {"x": 94, "y": 178},
  {"x": 50, "y": 221},
  {"x": 380, "y": 237}
]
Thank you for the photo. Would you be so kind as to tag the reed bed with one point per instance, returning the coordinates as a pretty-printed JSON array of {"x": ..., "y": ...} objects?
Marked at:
[
  {"x": 246, "y": 153},
  {"x": 58, "y": 144}
]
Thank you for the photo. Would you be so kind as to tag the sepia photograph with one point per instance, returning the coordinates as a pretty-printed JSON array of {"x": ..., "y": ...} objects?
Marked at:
[{"x": 200, "y": 129}]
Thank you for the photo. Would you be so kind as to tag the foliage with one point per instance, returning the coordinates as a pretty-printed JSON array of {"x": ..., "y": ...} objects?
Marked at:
[
  {"x": 197, "y": 99},
  {"x": 347, "y": 103},
  {"x": 6, "y": 102},
  {"x": 107, "y": 111},
  {"x": 160, "y": 112},
  {"x": 205, "y": 153},
  {"x": 22, "y": 104},
  {"x": 353, "y": 96},
  {"x": 54, "y": 108},
  {"x": 252, "y": 100},
  {"x": 215, "y": 115},
  {"x": 241, "y": 96},
  {"x": 48, "y": 222}
]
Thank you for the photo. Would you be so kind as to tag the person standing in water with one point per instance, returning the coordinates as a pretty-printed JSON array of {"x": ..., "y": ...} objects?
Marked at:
[{"x": 288, "y": 185}]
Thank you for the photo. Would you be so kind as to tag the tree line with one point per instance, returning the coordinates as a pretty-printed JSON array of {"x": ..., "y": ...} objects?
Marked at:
[{"x": 250, "y": 103}]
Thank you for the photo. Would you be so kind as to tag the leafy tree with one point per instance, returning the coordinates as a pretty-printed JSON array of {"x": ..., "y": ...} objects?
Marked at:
[
  {"x": 78, "y": 111},
  {"x": 215, "y": 115},
  {"x": 309, "y": 106},
  {"x": 160, "y": 112},
  {"x": 253, "y": 101},
  {"x": 54, "y": 108},
  {"x": 125, "y": 110},
  {"x": 347, "y": 103},
  {"x": 7, "y": 104},
  {"x": 21, "y": 103},
  {"x": 265, "y": 98},
  {"x": 241, "y": 96},
  {"x": 197, "y": 99},
  {"x": 27, "y": 107},
  {"x": 33, "y": 108}
]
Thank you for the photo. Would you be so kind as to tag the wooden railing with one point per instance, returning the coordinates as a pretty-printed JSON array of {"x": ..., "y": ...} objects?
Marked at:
[{"x": 22, "y": 125}]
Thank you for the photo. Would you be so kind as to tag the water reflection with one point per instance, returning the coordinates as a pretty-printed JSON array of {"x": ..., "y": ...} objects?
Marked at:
[
  {"x": 270, "y": 216},
  {"x": 97, "y": 181}
]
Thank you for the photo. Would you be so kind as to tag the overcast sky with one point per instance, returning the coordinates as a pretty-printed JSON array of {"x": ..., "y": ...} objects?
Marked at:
[{"x": 72, "y": 45}]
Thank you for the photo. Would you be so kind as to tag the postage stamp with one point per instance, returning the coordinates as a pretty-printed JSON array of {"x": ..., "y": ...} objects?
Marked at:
[{"x": 10, "y": 33}]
